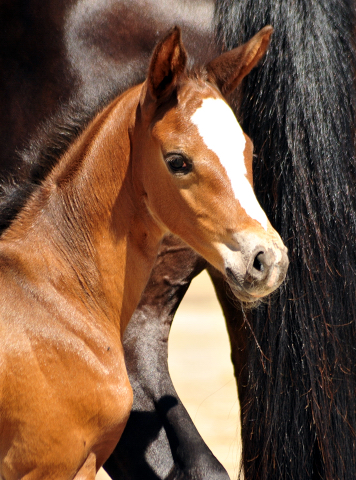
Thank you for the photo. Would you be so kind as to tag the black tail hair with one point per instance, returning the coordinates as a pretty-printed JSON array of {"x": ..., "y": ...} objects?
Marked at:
[{"x": 298, "y": 106}]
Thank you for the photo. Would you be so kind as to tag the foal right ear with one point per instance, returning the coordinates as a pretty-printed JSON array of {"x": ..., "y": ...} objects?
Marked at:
[
  {"x": 228, "y": 70},
  {"x": 167, "y": 64}
]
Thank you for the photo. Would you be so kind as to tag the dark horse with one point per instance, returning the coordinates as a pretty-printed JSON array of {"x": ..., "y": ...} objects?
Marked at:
[{"x": 296, "y": 375}]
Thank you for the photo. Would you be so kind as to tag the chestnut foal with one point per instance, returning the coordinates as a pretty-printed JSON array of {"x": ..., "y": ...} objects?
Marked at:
[{"x": 166, "y": 156}]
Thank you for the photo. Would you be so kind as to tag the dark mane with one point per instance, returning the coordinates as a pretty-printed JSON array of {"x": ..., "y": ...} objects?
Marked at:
[
  {"x": 299, "y": 419},
  {"x": 42, "y": 153}
]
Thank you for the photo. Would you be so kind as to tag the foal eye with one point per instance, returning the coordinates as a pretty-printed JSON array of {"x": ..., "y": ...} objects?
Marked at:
[{"x": 178, "y": 164}]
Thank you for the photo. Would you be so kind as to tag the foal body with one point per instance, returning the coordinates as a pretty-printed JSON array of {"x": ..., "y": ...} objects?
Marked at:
[
  {"x": 76, "y": 260},
  {"x": 68, "y": 358}
]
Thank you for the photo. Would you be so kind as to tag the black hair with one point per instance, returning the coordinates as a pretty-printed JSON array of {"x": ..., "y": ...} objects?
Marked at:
[{"x": 298, "y": 106}]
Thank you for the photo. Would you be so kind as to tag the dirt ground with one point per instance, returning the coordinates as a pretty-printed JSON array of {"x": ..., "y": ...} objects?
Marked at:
[{"x": 200, "y": 366}]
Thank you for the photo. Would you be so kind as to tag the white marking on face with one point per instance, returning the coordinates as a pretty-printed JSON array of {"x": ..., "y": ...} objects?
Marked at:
[{"x": 222, "y": 134}]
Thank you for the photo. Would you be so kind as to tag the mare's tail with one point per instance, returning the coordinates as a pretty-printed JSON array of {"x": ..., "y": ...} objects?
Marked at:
[{"x": 299, "y": 418}]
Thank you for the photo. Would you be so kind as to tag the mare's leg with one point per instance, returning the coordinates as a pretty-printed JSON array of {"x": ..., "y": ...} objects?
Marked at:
[
  {"x": 160, "y": 440},
  {"x": 236, "y": 327}
]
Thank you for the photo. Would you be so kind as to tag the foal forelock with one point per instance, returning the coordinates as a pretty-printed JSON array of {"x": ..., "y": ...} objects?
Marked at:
[{"x": 222, "y": 134}]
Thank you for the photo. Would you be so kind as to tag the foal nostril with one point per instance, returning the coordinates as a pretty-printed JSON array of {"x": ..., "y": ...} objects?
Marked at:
[
  {"x": 258, "y": 262},
  {"x": 260, "y": 266}
]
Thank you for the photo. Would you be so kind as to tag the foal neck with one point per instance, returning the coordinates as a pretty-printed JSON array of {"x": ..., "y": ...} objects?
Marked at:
[{"x": 87, "y": 228}]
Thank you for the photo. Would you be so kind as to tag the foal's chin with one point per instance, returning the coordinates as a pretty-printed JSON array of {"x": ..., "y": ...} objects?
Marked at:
[
  {"x": 248, "y": 301},
  {"x": 250, "y": 296}
]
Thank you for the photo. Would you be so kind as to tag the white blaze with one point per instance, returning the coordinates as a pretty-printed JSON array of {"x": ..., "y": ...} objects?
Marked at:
[{"x": 222, "y": 134}]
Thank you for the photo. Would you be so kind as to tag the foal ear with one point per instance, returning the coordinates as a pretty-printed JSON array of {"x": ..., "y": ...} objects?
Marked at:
[
  {"x": 167, "y": 64},
  {"x": 227, "y": 70}
]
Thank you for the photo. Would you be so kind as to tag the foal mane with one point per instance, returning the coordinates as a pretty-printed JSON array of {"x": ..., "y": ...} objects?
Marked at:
[
  {"x": 42, "y": 153},
  {"x": 44, "y": 150}
]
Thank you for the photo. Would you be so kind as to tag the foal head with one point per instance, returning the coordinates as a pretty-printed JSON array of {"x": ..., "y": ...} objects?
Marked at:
[{"x": 193, "y": 164}]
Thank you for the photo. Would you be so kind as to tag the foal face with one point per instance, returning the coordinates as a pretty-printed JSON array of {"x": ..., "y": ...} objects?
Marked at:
[{"x": 198, "y": 182}]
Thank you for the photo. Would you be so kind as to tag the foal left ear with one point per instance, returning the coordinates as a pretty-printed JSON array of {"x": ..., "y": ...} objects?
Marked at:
[
  {"x": 228, "y": 70},
  {"x": 167, "y": 64}
]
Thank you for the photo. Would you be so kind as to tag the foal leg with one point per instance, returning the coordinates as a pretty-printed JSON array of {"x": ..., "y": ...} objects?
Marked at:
[{"x": 160, "y": 440}]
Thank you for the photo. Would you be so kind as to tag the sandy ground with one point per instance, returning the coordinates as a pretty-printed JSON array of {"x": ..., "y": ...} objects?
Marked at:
[{"x": 200, "y": 366}]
